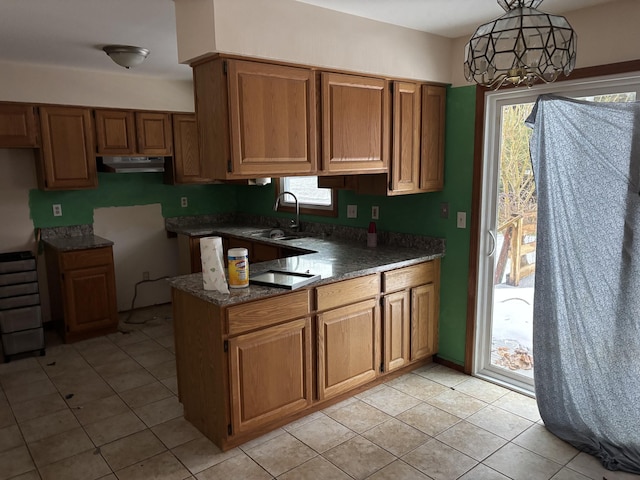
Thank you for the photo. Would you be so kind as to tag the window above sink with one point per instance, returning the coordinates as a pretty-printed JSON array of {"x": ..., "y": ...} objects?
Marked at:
[{"x": 312, "y": 199}]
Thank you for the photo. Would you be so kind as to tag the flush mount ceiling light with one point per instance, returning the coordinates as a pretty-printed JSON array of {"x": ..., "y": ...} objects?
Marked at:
[
  {"x": 126, "y": 56},
  {"x": 522, "y": 46}
]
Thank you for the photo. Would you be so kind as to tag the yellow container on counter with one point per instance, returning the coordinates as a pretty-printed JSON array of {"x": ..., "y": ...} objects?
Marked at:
[{"x": 238, "y": 267}]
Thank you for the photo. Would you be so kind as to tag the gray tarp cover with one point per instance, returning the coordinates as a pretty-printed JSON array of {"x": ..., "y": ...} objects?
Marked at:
[{"x": 586, "y": 328}]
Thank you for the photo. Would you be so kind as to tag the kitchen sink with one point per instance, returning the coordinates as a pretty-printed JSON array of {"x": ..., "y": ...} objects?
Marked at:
[
  {"x": 291, "y": 237},
  {"x": 275, "y": 234}
]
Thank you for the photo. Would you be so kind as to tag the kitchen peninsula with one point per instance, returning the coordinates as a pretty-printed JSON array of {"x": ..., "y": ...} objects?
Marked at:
[{"x": 259, "y": 357}]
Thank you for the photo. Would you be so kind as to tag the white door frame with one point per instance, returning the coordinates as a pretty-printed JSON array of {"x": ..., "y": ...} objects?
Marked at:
[{"x": 494, "y": 101}]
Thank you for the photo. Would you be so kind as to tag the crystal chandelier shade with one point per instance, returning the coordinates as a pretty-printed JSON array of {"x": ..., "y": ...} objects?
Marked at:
[{"x": 522, "y": 46}]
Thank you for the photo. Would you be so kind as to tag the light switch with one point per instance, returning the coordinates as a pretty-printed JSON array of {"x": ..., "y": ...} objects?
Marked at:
[
  {"x": 352, "y": 211},
  {"x": 444, "y": 210},
  {"x": 462, "y": 219}
]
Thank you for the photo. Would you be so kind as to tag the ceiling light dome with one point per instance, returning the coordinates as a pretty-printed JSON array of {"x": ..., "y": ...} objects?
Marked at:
[
  {"x": 522, "y": 46},
  {"x": 126, "y": 56}
]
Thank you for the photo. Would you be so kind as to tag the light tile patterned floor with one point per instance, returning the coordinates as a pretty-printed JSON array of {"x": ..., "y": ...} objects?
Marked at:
[{"x": 106, "y": 408}]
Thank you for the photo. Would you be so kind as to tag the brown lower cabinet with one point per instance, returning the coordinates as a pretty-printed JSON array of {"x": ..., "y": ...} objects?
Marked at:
[
  {"x": 270, "y": 374},
  {"x": 82, "y": 292},
  {"x": 249, "y": 368}
]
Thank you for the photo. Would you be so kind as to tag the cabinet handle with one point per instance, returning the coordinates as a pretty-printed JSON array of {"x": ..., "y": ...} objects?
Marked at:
[{"x": 493, "y": 247}]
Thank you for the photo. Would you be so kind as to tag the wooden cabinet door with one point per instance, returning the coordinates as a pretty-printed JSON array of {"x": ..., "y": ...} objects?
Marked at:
[
  {"x": 405, "y": 158},
  {"x": 355, "y": 124},
  {"x": 115, "y": 132},
  {"x": 270, "y": 374},
  {"x": 188, "y": 167},
  {"x": 153, "y": 132},
  {"x": 68, "y": 153},
  {"x": 90, "y": 302},
  {"x": 195, "y": 256},
  {"x": 263, "y": 252},
  {"x": 424, "y": 321},
  {"x": 433, "y": 130},
  {"x": 272, "y": 119},
  {"x": 348, "y": 347},
  {"x": 18, "y": 126},
  {"x": 396, "y": 330}
]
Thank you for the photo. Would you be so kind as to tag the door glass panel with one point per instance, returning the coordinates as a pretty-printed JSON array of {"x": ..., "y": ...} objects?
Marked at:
[{"x": 514, "y": 269}]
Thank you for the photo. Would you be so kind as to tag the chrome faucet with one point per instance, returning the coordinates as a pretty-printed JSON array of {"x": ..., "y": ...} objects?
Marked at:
[{"x": 295, "y": 225}]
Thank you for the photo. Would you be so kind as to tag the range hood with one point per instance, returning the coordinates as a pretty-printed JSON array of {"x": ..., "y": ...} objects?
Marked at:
[{"x": 130, "y": 164}]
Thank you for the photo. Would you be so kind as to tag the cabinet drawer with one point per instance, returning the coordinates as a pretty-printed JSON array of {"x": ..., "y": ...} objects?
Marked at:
[
  {"x": 408, "y": 277},
  {"x": 19, "y": 289},
  {"x": 18, "y": 277},
  {"x": 20, "y": 319},
  {"x": 21, "y": 301},
  {"x": 347, "y": 291},
  {"x": 23, "y": 341},
  {"x": 17, "y": 265},
  {"x": 270, "y": 311},
  {"x": 86, "y": 258}
]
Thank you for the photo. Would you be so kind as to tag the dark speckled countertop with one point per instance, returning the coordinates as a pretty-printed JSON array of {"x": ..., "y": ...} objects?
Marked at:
[
  {"x": 83, "y": 242},
  {"x": 75, "y": 237},
  {"x": 330, "y": 257}
]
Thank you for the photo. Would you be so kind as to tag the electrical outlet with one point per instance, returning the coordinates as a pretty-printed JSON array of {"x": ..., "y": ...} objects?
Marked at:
[
  {"x": 462, "y": 219},
  {"x": 57, "y": 210},
  {"x": 375, "y": 212},
  {"x": 184, "y": 202},
  {"x": 145, "y": 275},
  {"x": 352, "y": 211},
  {"x": 444, "y": 210}
]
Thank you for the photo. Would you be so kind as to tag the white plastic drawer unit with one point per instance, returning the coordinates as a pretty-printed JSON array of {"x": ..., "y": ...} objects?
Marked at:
[{"x": 20, "y": 313}]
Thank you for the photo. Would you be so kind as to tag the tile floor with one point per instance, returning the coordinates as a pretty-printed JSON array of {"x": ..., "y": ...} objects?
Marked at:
[{"x": 106, "y": 408}]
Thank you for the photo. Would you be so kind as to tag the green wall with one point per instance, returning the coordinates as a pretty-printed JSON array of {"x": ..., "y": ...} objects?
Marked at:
[
  {"x": 125, "y": 189},
  {"x": 418, "y": 214}
]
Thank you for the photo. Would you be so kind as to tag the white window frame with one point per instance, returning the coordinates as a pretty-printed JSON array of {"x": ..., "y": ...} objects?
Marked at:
[{"x": 306, "y": 207}]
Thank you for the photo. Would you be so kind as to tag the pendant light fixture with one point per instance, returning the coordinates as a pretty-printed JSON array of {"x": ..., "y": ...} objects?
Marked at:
[
  {"x": 126, "y": 56},
  {"x": 522, "y": 46}
]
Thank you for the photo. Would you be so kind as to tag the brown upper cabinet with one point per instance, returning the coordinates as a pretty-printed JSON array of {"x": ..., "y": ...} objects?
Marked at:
[
  {"x": 355, "y": 124},
  {"x": 432, "y": 149},
  {"x": 123, "y": 132},
  {"x": 417, "y": 160},
  {"x": 405, "y": 160},
  {"x": 67, "y": 159},
  {"x": 188, "y": 166},
  {"x": 256, "y": 119},
  {"x": 18, "y": 127},
  {"x": 260, "y": 119}
]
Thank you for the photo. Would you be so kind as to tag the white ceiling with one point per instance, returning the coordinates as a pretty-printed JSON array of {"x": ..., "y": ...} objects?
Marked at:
[{"x": 71, "y": 33}]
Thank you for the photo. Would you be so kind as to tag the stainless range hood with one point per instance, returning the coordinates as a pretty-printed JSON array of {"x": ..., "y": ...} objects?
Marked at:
[{"x": 130, "y": 164}]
